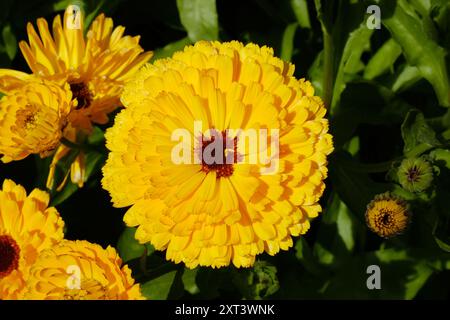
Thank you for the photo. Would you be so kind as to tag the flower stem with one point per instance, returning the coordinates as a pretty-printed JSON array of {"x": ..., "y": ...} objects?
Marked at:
[
  {"x": 328, "y": 69},
  {"x": 81, "y": 147},
  {"x": 70, "y": 144},
  {"x": 143, "y": 262}
]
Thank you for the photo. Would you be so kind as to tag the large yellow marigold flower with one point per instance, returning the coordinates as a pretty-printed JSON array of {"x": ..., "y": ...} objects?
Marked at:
[
  {"x": 79, "y": 270},
  {"x": 212, "y": 213},
  {"x": 27, "y": 227},
  {"x": 32, "y": 119}
]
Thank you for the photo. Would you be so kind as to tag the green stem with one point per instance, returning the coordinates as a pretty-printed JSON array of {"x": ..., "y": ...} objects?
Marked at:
[
  {"x": 328, "y": 69},
  {"x": 143, "y": 262},
  {"x": 81, "y": 147},
  {"x": 71, "y": 144}
]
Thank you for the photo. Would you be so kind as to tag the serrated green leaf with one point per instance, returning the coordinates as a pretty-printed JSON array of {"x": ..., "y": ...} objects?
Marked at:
[
  {"x": 418, "y": 48},
  {"x": 199, "y": 18},
  {"x": 417, "y": 134}
]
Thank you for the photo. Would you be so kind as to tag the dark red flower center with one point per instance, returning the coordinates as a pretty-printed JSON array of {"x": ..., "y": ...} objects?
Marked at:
[
  {"x": 413, "y": 174},
  {"x": 81, "y": 92},
  {"x": 9, "y": 255},
  {"x": 222, "y": 163}
]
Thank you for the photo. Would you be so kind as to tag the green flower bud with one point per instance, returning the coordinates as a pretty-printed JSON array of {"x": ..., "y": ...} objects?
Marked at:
[{"x": 415, "y": 174}]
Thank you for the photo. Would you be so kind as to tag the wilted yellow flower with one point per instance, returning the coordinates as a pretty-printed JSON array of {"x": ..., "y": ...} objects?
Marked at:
[
  {"x": 27, "y": 227},
  {"x": 32, "y": 119},
  {"x": 95, "y": 66},
  {"x": 79, "y": 270},
  {"x": 387, "y": 215},
  {"x": 211, "y": 213}
]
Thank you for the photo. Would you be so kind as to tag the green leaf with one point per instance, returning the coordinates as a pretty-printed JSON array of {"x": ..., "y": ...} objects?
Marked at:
[
  {"x": 405, "y": 78},
  {"x": 62, "y": 168},
  {"x": 383, "y": 60},
  {"x": 441, "y": 155},
  {"x": 63, "y": 4},
  {"x": 345, "y": 40},
  {"x": 170, "y": 49},
  {"x": 418, "y": 48},
  {"x": 336, "y": 238},
  {"x": 93, "y": 8},
  {"x": 129, "y": 248},
  {"x": 199, "y": 18},
  {"x": 417, "y": 134},
  {"x": 93, "y": 161},
  {"x": 96, "y": 137},
  {"x": 315, "y": 73},
  {"x": 351, "y": 59},
  {"x": 287, "y": 43},
  {"x": 159, "y": 287},
  {"x": 189, "y": 280},
  {"x": 444, "y": 245},
  {"x": 69, "y": 189},
  {"x": 355, "y": 189},
  {"x": 10, "y": 41},
  {"x": 300, "y": 8},
  {"x": 305, "y": 255},
  {"x": 210, "y": 281},
  {"x": 402, "y": 273}
]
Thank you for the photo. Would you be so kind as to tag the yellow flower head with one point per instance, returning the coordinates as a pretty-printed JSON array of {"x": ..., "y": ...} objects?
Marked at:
[
  {"x": 387, "y": 215},
  {"x": 79, "y": 270},
  {"x": 27, "y": 227},
  {"x": 32, "y": 119},
  {"x": 95, "y": 65},
  {"x": 211, "y": 213}
]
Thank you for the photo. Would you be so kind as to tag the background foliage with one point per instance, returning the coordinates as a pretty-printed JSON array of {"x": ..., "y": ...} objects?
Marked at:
[{"x": 388, "y": 92}]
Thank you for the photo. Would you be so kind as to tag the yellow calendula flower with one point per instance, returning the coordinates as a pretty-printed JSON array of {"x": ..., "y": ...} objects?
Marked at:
[
  {"x": 79, "y": 270},
  {"x": 95, "y": 66},
  {"x": 185, "y": 198},
  {"x": 32, "y": 119},
  {"x": 27, "y": 227},
  {"x": 387, "y": 215}
]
